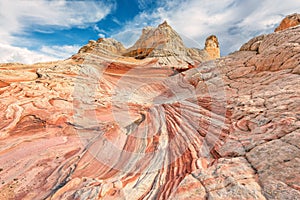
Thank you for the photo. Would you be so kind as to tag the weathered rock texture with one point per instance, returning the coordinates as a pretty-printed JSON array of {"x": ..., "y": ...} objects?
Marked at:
[
  {"x": 212, "y": 47},
  {"x": 162, "y": 43},
  {"x": 103, "y": 46},
  {"x": 289, "y": 21},
  {"x": 101, "y": 126}
]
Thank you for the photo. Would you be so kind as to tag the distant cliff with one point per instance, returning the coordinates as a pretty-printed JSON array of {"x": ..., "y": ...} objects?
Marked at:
[{"x": 162, "y": 43}]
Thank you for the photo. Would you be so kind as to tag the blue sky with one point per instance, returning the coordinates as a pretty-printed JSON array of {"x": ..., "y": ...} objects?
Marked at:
[{"x": 41, "y": 30}]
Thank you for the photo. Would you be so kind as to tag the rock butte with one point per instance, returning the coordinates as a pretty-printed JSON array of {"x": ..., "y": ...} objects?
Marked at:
[
  {"x": 155, "y": 121},
  {"x": 289, "y": 21}
]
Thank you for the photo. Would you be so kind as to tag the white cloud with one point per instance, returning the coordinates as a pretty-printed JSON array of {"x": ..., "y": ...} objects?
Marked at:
[
  {"x": 60, "y": 52},
  {"x": 101, "y": 32},
  {"x": 96, "y": 28},
  {"x": 17, "y": 16},
  {"x": 144, "y": 3},
  {"x": 233, "y": 21},
  {"x": 128, "y": 36},
  {"x": 116, "y": 21},
  {"x": 132, "y": 30},
  {"x": 10, "y": 53},
  {"x": 100, "y": 35}
]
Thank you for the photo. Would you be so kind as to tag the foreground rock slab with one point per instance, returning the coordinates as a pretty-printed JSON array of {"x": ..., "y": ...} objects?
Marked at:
[{"x": 105, "y": 126}]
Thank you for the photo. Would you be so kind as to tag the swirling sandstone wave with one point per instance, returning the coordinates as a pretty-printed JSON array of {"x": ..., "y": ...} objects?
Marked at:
[{"x": 101, "y": 127}]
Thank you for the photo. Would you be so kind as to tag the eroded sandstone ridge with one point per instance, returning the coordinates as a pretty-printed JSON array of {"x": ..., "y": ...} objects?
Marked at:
[
  {"x": 113, "y": 123},
  {"x": 212, "y": 47},
  {"x": 162, "y": 43},
  {"x": 289, "y": 21}
]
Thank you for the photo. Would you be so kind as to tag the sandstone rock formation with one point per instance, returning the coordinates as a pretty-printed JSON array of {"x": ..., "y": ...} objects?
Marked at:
[
  {"x": 162, "y": 43},
  {"x": 158, "y": 42},
  {"x": 106, "y": 46},
  {"x": 289, "y": 21},
  {"x": 101, "y": 126},
  {"x": 212, "y": 47}
]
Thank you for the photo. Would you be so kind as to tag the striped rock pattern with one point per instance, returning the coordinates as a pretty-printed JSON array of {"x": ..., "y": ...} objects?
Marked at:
[{"x": 113, "y": 127}]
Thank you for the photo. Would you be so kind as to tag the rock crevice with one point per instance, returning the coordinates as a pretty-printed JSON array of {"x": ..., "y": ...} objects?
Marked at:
[{"x": 172, "y": 125}]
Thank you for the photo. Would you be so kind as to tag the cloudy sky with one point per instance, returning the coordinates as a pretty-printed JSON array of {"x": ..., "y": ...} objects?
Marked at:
[{"x": 42, "y": 30}]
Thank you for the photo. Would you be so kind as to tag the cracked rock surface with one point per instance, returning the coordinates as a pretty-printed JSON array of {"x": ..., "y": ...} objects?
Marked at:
[{"x": 112, "y": 127}]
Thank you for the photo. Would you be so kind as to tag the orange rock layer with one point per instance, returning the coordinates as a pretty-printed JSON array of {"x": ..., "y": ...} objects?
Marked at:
[{"x": 100, "y": 127}]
